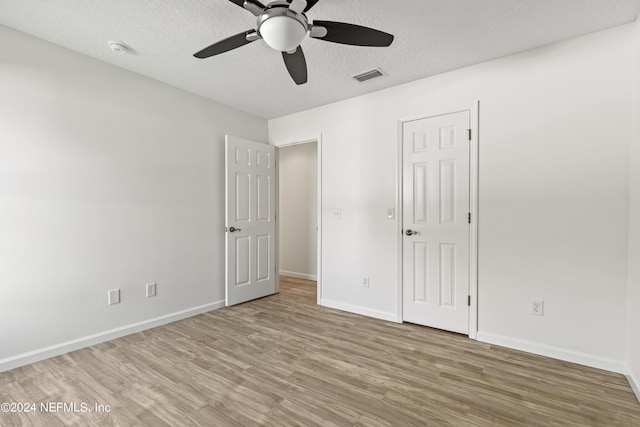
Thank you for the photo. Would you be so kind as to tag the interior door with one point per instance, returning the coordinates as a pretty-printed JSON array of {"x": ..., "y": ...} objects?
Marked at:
[
  {"x": 436, "y": 221},
  {"x": 250, "y": 220}
]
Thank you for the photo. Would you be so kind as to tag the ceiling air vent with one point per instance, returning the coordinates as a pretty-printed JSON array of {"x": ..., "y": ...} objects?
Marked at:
[{"x": 369, "y": 75}]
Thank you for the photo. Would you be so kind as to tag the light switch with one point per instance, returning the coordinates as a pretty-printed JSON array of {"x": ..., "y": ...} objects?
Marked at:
[{"x": 391, "y": 213}]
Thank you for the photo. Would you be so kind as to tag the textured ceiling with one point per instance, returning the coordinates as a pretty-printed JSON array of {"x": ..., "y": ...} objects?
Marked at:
[{"x": 432, "y": 37}]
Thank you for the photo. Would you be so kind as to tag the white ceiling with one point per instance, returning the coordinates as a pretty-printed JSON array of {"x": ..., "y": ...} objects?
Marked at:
[{"x": 431, "y": 37}]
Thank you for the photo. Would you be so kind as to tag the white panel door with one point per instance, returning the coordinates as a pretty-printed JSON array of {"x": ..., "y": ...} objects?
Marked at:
[
  {"x": 250, "y": 220},
  {"x": 435, "y": 221}
]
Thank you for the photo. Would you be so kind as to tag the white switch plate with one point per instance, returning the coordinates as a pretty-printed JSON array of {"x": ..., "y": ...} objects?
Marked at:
[
  {"x": 336, "y": 213},
  {"x": 151, "y": 290},
  {"x": 365, "y": 282},
  {"x": 114, "y": 296},
  {"x": 391, "y": 213}
]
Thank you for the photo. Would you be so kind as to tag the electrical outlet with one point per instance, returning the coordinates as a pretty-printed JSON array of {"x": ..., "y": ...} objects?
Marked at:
[
  {"x": 365, "y": 282},
  {"x": 151, "y": 290},
  {"x": 113, "y": 296},
  {"x": 336, "y": 213},
  {"x": 537, "y": 307}
]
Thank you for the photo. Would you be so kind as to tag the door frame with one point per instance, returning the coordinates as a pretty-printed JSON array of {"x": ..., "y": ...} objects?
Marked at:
[
  {"x": 474, "y": 111},
  {"x": 318, "y": 140}
]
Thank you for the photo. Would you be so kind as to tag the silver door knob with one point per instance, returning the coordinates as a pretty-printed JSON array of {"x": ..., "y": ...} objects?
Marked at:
[
  {"x": 233, "y": 229},
  {"x": 410, "y": 232}
]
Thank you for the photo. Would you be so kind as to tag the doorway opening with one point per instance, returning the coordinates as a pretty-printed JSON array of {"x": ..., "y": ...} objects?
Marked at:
[{"x": 299, "y": 212}]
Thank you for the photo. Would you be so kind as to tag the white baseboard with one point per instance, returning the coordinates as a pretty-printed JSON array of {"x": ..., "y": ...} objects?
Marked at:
[
  {"x": 299, "y": 275},
  {"x": 69, "y": 346},
  {"x": 554, "y": 352},
  {"x": 635, "y": 385},
  {"x": 359, "y": 310}
]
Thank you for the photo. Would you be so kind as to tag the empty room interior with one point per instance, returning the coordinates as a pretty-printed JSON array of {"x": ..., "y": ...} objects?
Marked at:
[{"x": 320, "y": 213}]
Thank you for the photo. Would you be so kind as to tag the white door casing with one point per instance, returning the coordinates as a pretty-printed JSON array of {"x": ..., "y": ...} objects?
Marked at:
[
  {"x": 436, "y": 206},
  {"x": 250, "y": 200}
]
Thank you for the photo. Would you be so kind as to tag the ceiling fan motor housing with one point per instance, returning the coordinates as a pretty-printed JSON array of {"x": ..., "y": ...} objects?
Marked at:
[{"x": 281, "y": 28}]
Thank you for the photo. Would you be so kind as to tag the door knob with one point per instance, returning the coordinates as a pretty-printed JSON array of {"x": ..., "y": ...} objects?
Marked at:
[
  {"x": 233, "y": 229},
  {"x": 410, "y": 232}
]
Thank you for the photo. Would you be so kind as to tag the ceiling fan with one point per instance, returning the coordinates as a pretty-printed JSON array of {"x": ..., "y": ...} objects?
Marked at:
[{"x": 283, "y": 25}]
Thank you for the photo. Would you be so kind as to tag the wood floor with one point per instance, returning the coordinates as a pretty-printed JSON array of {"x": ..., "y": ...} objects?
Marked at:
[{"x": 284, "y": 361}]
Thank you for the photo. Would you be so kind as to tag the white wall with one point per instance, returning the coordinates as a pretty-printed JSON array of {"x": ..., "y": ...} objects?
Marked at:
[
  {"x": 107, "y": 180},
  {"x": 633, "y": 301},
  {"x": 554, "y": 138},
  {"x": 298, "y": 210}
]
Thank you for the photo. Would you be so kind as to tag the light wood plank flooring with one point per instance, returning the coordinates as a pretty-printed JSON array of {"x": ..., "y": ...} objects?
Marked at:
[{"x": 284, "y": 361}]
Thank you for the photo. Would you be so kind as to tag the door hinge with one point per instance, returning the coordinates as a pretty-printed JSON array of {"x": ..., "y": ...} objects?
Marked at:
[
  {"x": 469, "y": 300},
  {"x": 469, "y": 218},
  {"x": 469, "y": 132}
]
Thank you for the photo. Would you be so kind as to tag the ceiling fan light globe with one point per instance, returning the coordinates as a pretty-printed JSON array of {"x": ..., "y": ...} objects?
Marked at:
[{"x": 282, "y": 33}]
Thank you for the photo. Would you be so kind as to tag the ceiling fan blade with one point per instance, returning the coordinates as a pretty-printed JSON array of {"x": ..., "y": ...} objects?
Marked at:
[
  {"x": 310, "y": 4},
  {"x": 226, "y": 45},
  {"x": 296, "y": 65},
  {"x": 356, "y": 35}
]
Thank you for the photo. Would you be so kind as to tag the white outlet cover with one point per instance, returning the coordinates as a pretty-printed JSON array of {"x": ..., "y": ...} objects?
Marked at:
[
  {"x": 336, "y": 213},
  {"x": 537, "y": 307}
]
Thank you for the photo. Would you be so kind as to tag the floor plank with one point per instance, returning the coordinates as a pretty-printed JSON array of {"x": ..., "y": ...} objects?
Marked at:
[{"x": 283, "y": 360}]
